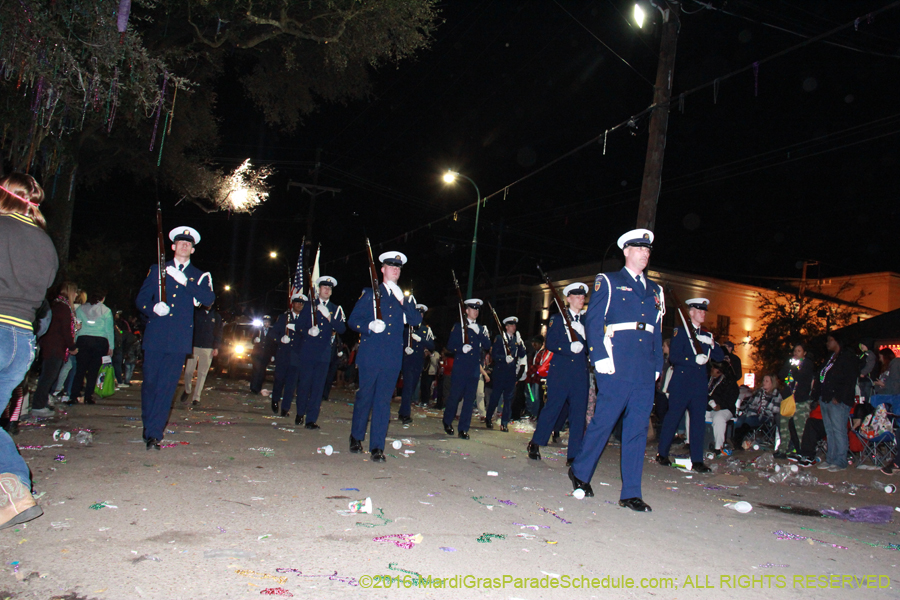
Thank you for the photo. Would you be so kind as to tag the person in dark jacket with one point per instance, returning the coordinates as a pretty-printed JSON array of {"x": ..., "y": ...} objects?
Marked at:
[
  {"x": 264, "y": 347},
  {"x": 207, "y": 340},
  {"x": 837, "y": 395},
  {"x": 56, "y": 346},
  {"x": 797, "y": 374}
]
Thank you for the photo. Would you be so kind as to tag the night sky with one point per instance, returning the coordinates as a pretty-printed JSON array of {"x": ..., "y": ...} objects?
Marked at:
[{"x": 798, "y": 161}]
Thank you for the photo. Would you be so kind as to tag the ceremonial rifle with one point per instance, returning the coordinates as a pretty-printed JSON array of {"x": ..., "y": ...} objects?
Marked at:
[
  {"x": 698, "y": 349},
  {"x": 160, "y": 253},
  {"x": 373, "y": 278},
  {"x": 462, "y": 309},
  {"x": 560, "y": 304},
  {"x": 500, "y": 327}
]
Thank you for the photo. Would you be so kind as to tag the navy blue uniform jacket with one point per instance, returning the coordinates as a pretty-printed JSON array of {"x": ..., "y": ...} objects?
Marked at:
[
  {"x": 382, "y": 350},
  {"x": 172, "y": 333}
]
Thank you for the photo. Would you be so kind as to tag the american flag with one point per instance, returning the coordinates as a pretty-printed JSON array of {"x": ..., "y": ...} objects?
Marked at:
[{"x": 299, "y": 285}]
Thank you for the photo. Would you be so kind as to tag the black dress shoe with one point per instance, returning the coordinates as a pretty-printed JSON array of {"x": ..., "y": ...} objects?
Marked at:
[
  {"x": 406, "y": 420},
  {"x": 555, "y": 439},
  {"x": 488, "y": 424},
  {"x": 448, "y": 429},
  {"x": 504, "y": 427},
  {"x": 298, "y": 420},
  {"x": 578, "y": 484},
  {"x": 463, "y": 435},
  {"x": 663, "y": 460},
  {"x": 355, "y": 445},
  {"x": 700, "y": 468},
  {"x": 636, "y": 504},
  {"x": 378, "y": 455},
  {"x": 153, "y": 444},
  {"x": 195, "y": 403},
  {"x": 534, "y": 451},
  {"x": 570, "y": 462},
  {"x": 90, "y": 401},
  {"x": 311, "y": 425},
  {"x": 285, "y": 413},
  {"x": 274, "y": 407},
  {"x": 184, "y": 397}
]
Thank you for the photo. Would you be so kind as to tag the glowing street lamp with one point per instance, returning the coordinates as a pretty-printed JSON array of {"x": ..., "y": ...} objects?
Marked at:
[
  {"x": 639, "y": 15},
  {"x": 450, "y": 177},
  {"x": 227, "y": 288}
]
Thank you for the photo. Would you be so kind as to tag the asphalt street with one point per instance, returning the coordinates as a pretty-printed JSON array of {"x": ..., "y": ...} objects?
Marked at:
[{"x": 241, "y": 504}]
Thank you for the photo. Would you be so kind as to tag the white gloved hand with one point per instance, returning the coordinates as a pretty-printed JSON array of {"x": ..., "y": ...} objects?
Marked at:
[
  {"x": 256, "y": 340},
  {"x": 605, "y": 366},
  {"x": 408, "y": 350},
  {"x": 416, "y": 337},
  {"x": 290, "y": 326},
  {"x": 474, "y": 327},
  {"x": 376, "y": 326},
  {"x": 576, "y": 347},
  {"x": 657, "y": 376},
  {"x": 314, "y": 331},
  {"x": 324, "y": 310},
  {"x": 509, "y": 359},
  {"x": 177, "y": 275},
  {"x": 467, "y": 348},
  {"x": 579, "y": 327},
  {"x": 161, "y": 308},
  {"x": 285, "y": 339},
  {"x": 706, "y": 339},
  {"x": 341, "y": 353},
  {"x": 701, "y": 359}
]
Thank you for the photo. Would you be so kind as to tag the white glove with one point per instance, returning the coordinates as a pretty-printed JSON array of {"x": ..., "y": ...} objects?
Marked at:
[
  {"x": 579, "y": 327},
  {"x": 474, "y": 327},
  {"x": 408, "y": 350},
  {"x": 706, "y": 339},
  {"x": 340, "y": 353},
  {"x": 290, "y": 326},
  {"x": 605, "y": 366},
  {"x": 416, "y": 337},
  {"x": 701, "y": 359},
  {"x": 657, "y": 376},
  {"x": 576, "y": 347},
  {"x": 177, "y": 275},
  {"x": 509, "y": 359},
  {"x": 285, "y": 339},
  {"x": 161, "y": 308},
  {"x": 467, "y": 348},
  {"x": 256, "y": 340},
  {"x": 376, "y": 326},
  {"x": 314, "y": 331},
  {"x": 324, "y": 310}
]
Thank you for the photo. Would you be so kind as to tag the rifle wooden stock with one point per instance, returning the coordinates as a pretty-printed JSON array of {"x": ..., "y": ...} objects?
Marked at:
[
  {"x": 373, "y": 278},
  {"x": 560, "y": 304},
  {"x": 500, "y": 327},
  {"x": 160, "y": 254},
  {"x": 688, "y": 325}
]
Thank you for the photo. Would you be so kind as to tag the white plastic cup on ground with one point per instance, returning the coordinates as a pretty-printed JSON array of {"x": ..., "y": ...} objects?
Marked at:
[
  {"x": 741, "y": 507},
  {"x": 397, "y": 444},
  {"x": 361, "y": 506},
  {"x": 756, "y": 446},
  {"x": 493, "y": 473},
  {"x": 579, "y": 494},
  {"x": 326, "y": 450},
  {"x": 794, "y": 468},
  {"x": 890, "y": 488}
]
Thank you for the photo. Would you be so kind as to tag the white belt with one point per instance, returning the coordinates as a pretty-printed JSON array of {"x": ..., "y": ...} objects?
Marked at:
[{"x": 611, "y": 329}]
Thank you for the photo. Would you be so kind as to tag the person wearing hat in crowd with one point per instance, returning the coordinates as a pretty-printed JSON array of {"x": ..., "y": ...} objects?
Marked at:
[
  {"x": 466, "y": 368},
  {"x": 288, "y": 330},
  {"x": 418, "y": 340},
  {"x": 324, "y": 319},
  {"x": 568, "y": 379},
  {"x": 264, "y": 347},
  {"x": 380, "y": 353},
  {"x": 168, "y": 337},
  {"x": 623, "y": 324},
  {"x": 506, "y": 369},
  {"x": 688, "y": 388}
]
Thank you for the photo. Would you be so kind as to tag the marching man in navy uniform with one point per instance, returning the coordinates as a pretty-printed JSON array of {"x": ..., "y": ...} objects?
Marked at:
[
  {"x": 418, "y": 339},
  {"x": 506, "y": 364},
  {"x": 264, "y": 347},
  {"x": 324, "y": 320},
  {"x": 568, "y": 379},
  {"x": 688, "y": 386},
  {"x": 466, "y": 368},
  {"x": 288, "y": 330},
  {"x": 170, "y": 329},
  {"x": 380, "y": 353},
  {"x": 623, "y": 325}
]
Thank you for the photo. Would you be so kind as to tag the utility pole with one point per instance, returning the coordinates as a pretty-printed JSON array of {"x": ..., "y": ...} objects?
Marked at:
[
  {"x": 659, "y": 117},
  {"x": 314, "y": 190}
]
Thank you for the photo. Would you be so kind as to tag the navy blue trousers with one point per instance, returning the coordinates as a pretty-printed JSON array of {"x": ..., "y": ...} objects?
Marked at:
[
  {"x": 633, "y": 402},
  {"x": 462, "y": 387},
  {"x": 688, "y": 394},
  {"x": 504, "y": 387},
  {"x": 412, "y": 371},
  {"x": 562, "y": 392},
  {"x": 310, "y": 385},
  {"x": 291, "y": 380},
  {"x": 376, "y": 388},
  {"x": 161, "y": 373}
]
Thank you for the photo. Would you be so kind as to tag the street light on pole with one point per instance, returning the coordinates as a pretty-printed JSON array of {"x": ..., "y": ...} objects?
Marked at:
[
  {"x": 290, "y": 275},
  {"x": 450, "y": 177}
]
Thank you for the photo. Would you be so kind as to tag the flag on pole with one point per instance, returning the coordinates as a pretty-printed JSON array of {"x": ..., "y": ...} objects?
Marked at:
[
  {"x": 315, "y": 270},
  {"x": 299, "y": 282}
]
